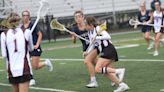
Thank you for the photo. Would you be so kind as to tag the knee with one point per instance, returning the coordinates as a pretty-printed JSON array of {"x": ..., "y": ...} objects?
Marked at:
[
  {"x": 87, "y": 61},
  {"x": 35, "y": 67},
  {"x": 146, "y": 37}
]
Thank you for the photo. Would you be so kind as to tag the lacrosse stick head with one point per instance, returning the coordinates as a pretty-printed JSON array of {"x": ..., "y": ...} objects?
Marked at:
[
  {"x": 133, "y": 22},
  {"x": 43, "y": 9},
  {"x": 56, "y": 25}
]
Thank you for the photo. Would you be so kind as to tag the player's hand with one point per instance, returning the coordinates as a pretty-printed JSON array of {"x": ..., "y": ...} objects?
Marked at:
[
  {"x": 145, "y": 23},
  {"x": 73, "y": 33},
  {"x": 36, "y": 46},
  {"x": 85, "y": 54}
]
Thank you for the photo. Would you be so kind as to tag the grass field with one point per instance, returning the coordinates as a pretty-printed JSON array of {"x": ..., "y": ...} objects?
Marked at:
[{"x": 144, "y": 72}]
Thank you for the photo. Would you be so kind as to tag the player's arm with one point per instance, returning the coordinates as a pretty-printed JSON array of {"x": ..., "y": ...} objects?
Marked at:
[
  {"x": 39, "y": 40},
  {"x": 73, "y": 34},
  {"x": 151, "y": 18},
  {"x": 104, "y": 36},
  {"x": 3, "y": 45}
]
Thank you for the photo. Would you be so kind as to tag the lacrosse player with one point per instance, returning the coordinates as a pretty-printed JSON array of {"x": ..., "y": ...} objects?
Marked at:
[
  {"x": 15, "y": 46},
  {"x": 144, "y": 17},
  {"x": 158, "y": 20},
  {"x": 90, "y": 59},
  {"x": 108, "y": 54},
  {"x": 37, "y": 38}
]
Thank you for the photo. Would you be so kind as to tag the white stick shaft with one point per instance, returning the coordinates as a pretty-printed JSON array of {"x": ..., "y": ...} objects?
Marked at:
[
  {"x": 77, "y": 35},
  {"x": 37, "y": 19},
  {"x": 36, "y": 22}
]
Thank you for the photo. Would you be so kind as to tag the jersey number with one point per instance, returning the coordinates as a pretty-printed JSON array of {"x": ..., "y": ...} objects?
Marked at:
[{"x": 15, "y": 44}]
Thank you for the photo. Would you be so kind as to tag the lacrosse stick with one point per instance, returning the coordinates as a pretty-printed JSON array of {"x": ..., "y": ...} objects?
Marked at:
[
  {"x": 44, "y": 6},
  {"x": 56, "y": 25},
  {"x": 103, "y": 27},
  {"x": 135, "y": 23}
]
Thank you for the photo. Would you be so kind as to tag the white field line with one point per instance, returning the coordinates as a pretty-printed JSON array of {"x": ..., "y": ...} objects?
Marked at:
[
  {"x": 162, "y": 90},
  {"x": 127, "y": 46},
  {"x": 40, "y": 88},
  {"x": 1, "y": 70},
  {"x": 73, "y": 46}
]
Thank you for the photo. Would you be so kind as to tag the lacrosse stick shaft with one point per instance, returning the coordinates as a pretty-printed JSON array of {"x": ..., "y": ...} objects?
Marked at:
[
  {"x": 35, "y": 23},
  {"x": 42, "y": 3},
  {"x": 77, "y": 35}
]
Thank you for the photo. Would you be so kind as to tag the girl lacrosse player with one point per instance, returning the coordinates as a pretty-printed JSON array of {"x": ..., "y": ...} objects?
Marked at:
[
  {"x": 90, "y": 59},
  {"x": 144, "y": 17},
  {"x": 158, "y": 20},
  {"x": 108, "y": 53},
  {"x": 37, "y": 37},
  {"x": 15, "y": 46}
]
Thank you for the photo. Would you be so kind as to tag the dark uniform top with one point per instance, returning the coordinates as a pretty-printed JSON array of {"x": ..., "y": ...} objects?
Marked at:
[
  {"x": 38, "y": 51},
  {"x": 144, "y": 18},
  {"x": 82, "y": 33}
]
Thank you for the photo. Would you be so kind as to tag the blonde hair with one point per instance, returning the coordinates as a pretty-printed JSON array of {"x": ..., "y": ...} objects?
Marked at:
[{"x": 12, "y": 20}]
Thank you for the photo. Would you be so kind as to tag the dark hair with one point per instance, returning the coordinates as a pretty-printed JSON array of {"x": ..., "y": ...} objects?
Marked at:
[
  {"x": 91, "y": 21},
  {"x": 80, "y": 12}
]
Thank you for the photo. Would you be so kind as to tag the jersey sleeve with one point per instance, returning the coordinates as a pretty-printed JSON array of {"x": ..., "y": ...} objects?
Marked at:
[
  {"x": 3, "y": 45},
  {"x": 104, "y": 36}
]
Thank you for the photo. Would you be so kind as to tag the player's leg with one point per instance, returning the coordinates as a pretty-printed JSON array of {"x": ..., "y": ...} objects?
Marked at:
[
  {"x": 101, "y": 67},
  {"x": 89, "y": 61},
  {"x": 36, "y": 64},
  {"x": 119, "y": 74},
  {"x": 157, "y": 40},
  {"x": 15, "y": 87},
  {"x": 24, "y": 87}
]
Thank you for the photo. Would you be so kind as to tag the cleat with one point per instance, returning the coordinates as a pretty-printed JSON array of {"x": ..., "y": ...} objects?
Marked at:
[
  {"x": 155, "y": 53},
  {"x": 122, "y": 87},
  {"x": 151, "y": 45},
  {"x": 32, "y": 82},
  {"x": 92, "y": 85},
  {"x": 49, "y": 65}
]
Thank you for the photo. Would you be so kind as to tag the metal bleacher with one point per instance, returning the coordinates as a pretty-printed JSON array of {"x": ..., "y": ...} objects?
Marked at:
[
  {"x": 63, "y": 8},
  {"x": 67, "y": 7}
]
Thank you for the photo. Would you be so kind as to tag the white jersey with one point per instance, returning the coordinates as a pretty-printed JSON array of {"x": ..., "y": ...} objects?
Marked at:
[
  {"x": 15, "y": 46},
  {"x": 158, "y": 19},
  {"x": 102, "y": 39}
]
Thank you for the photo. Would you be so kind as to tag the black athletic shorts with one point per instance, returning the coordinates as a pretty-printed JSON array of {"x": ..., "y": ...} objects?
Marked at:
[
  {"x": 20, "y": 79},
  {"x": 109, "y": 52},
  {"x": 36, "y": 52}
]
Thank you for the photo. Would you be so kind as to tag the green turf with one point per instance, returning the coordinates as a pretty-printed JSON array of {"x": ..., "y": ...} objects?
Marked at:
[{"x": 144, "y": 76}]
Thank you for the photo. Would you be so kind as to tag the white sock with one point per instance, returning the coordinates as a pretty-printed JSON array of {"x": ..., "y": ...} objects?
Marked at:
[
  {"x": 45, "y": 62},
  {"x": 93, "y": 78},
  {"x": 117, "y": 70}
]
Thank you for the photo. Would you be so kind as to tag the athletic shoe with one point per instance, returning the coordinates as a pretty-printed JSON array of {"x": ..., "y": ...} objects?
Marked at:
[
  {"x": 92, "y": 84},
  {"x": 151, "y": 45},
  {"x": 155, "y": 53},
  {"x": 49, "y": 65},
  {"x": 120, "y": 74},
  {"x": 32, "y": 82},
  {"x": 122, "y": 87}
]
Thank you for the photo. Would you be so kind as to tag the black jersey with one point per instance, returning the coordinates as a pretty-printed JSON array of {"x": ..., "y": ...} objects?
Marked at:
[
  {"x": 82, "y": 33},
  {"x": 144, "y": 18}
]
